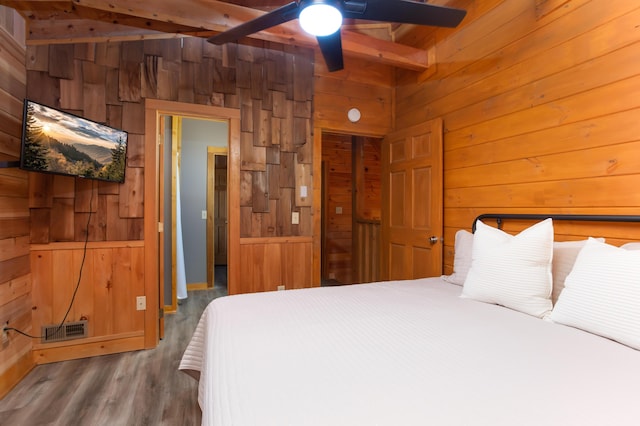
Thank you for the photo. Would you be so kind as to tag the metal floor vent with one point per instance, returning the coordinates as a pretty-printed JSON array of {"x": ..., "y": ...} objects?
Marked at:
[{"x": 68, "y": 331}]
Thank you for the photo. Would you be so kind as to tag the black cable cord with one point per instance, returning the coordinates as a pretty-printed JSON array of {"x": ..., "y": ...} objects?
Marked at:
[{"x": 73, "y": 298}]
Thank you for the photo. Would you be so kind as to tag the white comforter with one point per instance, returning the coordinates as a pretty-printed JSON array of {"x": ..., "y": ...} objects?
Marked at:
[{"x": 402, "y": 353}]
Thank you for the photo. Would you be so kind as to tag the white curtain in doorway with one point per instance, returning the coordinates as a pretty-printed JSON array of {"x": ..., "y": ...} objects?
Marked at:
[{"x": 181, "y": 274}]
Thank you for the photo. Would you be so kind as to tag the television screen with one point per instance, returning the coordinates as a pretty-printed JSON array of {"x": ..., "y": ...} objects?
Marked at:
[{"x": 54, "y": 141}]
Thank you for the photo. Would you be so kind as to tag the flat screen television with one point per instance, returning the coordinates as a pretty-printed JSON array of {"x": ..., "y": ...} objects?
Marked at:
[{"x": 55, "y": 141}]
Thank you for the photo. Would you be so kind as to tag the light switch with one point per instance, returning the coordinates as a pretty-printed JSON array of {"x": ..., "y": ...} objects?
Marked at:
[
  {"x": 204, "y": 215},
  {"x": 295, "y": 218},
  {"x": 303, "y": 191},
  {"x": 141, "y": 303},
  {"x": 338, "y": 210}
]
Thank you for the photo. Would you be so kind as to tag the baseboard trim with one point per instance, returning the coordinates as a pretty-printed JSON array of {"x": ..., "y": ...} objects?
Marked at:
[
  {"x": 14, "y": 374},
  {"x": 197, "y": 286},
  {"x": 43, "y": 354}
]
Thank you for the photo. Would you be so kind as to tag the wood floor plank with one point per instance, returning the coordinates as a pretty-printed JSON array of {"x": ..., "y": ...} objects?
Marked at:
[{"x": 133, "y": 388}]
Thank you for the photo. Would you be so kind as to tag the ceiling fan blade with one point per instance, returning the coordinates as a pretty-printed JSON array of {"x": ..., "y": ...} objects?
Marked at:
[
  {"x": 277, "y": 16},
  {"x": 331, "y": 48},
  {"x": 403, "y": 12}
]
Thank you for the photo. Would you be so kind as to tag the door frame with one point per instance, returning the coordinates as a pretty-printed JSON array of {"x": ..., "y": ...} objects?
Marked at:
[{"x": 154, "y": 290}]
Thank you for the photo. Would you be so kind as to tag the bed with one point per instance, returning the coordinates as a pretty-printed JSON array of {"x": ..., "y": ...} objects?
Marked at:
[{"x": 431, "y": 351}]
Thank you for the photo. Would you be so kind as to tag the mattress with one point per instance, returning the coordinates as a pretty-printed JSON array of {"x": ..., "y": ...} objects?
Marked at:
[{"x": 402, "y": 353}]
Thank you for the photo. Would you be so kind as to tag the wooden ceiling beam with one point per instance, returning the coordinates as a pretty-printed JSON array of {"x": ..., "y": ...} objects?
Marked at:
[
  {"x": 86, "y": 31},
  {"x": 84, "y": 24},
  {"x": 219, "y": 16}
]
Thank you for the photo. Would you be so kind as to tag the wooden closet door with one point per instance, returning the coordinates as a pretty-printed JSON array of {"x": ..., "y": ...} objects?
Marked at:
[{"x": 412, "y": 202}]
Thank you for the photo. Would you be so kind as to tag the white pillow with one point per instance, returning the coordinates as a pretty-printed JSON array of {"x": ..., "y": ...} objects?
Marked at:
[
  {"x": 631, "y": 246},
  {"x": 564, "y": 256},
  {"x": 512, "y": 271},
  {"x": 602, "y": 293},
  {"x": 461, "y": 257}
]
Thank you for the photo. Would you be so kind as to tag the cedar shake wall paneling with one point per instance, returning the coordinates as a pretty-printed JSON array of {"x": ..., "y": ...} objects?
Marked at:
[
  {"x": 15, "y": 268},
  {"x": 108, "y": 82},
  {"x": 540, "y": 106}
]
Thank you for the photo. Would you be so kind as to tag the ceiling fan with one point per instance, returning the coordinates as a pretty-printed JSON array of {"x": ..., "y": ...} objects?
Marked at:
[{"x": 323, "y": 18}]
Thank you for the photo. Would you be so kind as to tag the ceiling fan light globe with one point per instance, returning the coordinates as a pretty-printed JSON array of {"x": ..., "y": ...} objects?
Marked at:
[{"x": 320, "y": 19}]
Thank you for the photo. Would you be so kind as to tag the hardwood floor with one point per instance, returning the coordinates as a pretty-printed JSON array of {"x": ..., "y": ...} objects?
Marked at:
[{"x": 134, "y": 388}]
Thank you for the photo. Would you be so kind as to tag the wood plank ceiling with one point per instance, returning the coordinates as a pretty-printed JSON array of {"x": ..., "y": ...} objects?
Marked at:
[{"x": 61, "y": 21}]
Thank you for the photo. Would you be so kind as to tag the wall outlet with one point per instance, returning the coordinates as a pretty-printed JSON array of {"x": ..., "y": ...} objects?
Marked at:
[
  {"x": 295, "y": 218},
  {"x": 338, "y": 210},
  {"x": 141, "y": 303},
  {"x": 280, "y": 287},
  {"x": 303, "y": 191}
]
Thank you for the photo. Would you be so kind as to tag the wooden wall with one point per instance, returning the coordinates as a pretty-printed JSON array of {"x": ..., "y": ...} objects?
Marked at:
[
  {"x": 540, "y": 107},
  {"x": 269, "y": 263},
  {"x": 275, "y": 92},
  {"x": 112, "y": 277},
  {"x": 367, "y": 166},
  {"x": 109, "y": 82},
  {"x": 362, "y": 85},
  {"x": 367, "y": 215},
  {"x": 84, "y": 79},
  {"x": 15, "y": 276},
  {"x": 338, "y": 206}
]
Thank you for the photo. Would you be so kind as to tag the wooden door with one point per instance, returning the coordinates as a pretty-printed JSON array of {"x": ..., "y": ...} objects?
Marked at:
[
  {"x": 217, "y": 216},
  {"x": 220, "y": 211},
  {"x": 412, "y": 202}
]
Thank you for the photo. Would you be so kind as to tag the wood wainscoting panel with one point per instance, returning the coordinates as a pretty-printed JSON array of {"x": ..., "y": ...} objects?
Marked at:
[
  {"x": 267, "y": 263},
  {"x": 366, "y": 253},
  {"x": 112, "y": 277}
]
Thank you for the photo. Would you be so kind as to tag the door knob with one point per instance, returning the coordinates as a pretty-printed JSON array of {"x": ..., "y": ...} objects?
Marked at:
[{"x": 433, "y": 239}]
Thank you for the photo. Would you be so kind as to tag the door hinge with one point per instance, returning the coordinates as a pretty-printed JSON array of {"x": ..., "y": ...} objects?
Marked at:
[{"x": 161, "y": 313}]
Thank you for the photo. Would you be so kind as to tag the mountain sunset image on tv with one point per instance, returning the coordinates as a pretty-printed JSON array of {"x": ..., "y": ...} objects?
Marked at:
[{"x": 55, "y": 141}]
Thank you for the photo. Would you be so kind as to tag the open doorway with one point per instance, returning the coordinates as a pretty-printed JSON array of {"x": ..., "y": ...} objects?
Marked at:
[
  {"x": 194, "y": 195},
  {"x": 351, "y": 208}
]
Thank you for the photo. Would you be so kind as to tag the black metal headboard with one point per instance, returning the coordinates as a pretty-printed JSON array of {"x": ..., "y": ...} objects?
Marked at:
[{"x": 568, "y": 217}]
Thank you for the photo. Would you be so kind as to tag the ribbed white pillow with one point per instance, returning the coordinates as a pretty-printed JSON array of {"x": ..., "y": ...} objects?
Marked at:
[
  {"x": 631, "y": 246},
  {"x": 564, "y": 256},
  {"x": 602, "y": 293},
  {"x": 461, "y": 257},
  {"x": 512, "y": 271}
]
